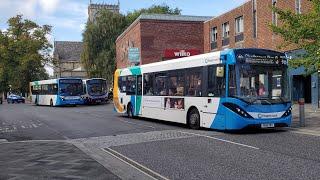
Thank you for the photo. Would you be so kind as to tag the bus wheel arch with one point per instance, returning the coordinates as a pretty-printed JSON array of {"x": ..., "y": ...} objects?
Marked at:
[{"x": 193, "y": 118}]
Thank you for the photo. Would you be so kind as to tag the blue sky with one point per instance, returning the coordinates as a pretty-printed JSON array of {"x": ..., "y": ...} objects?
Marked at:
[{"x": 68, "y": 17}]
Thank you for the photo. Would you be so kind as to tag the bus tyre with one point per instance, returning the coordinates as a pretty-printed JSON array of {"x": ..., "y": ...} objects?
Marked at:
[
  {"x": 51, "y": 103},
  {"x": 130, "y": 111},
  {"x": 194, "y": 119}
]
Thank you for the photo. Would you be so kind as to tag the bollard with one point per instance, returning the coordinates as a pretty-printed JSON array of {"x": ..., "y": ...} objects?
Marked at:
[{"x": 301, "y": 112}]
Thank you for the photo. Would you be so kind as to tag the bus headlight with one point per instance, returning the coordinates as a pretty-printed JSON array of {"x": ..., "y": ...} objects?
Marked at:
[
  {"x": 288, "y": 112},
  {"x": 237, "y": 109}
]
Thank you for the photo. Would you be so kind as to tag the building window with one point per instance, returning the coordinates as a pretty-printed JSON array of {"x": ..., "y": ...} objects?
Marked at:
[
  {"x": 274, "y": 14},
  {"x": 298, "y": 6},
  {"x": 214, "y": 34},
  {"x": 225, "y": 30},
  {"x": 239, "y": 25},
  {"x": 214, "y": 38}
]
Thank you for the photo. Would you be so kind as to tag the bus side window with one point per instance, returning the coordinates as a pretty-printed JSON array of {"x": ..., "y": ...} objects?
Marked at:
[
  {"x": 148, "y": 84},
  {"x": 216, "y": 85},
  {"x": 122, "y": 84},
  {"x": 131, "y": 85},
  {"x": 176, "y": 83},
  {"x": 194, "y": 82},
  {"x": 161, "y": 84}
]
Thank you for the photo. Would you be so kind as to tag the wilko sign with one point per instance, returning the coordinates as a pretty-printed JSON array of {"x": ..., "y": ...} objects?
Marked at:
[{"x": 178, "y": 53}]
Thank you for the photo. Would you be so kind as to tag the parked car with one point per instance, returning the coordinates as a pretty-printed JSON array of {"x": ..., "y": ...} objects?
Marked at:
[{"x": 12, "y": 98}]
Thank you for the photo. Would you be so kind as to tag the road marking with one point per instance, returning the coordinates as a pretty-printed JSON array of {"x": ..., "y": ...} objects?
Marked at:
[
  {"x": 34, "y": 125},
  {"x": 23, "y": 127},
  {"x": 219, "y": 139},
  {"x": 129, "y": 122},
  {"x": 134, "y": 164}
]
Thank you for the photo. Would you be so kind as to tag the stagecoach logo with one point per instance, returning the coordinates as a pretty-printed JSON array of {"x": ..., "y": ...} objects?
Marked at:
[
  {"x": 267, "y": 116},
  {"x": 240, "y": 56}
]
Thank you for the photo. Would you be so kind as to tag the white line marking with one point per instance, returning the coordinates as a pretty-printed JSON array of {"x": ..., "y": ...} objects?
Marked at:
[
  {"x": 34, "y": 125},
  {"x": 133, "y": 165},
  {"x": 23, "y": 127},
  {"x": 219, "y": 139}
]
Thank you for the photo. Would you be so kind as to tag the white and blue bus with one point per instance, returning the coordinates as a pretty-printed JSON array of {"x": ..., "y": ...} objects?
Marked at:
[
  {"x": 226, "y": 90},
  {"x": 57, "y": 92},
  {"x": 95, "y": 91}
]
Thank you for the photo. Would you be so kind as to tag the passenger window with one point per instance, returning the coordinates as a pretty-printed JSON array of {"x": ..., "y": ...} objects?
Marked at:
[
  {"x": 148, "y": 84},
  {"x": 176, "y": 83},
  {"x": 194, "y": 82},
  {"x": 216, "y": 85},
  {"x": 131, "y": 85},
  {"x": 161, "y": 84},
  {"x": 122, "y": 84}
]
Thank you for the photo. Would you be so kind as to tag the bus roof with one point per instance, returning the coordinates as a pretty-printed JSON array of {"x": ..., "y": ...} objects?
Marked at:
[
  {"x": 201, "y": 60},
  {"x": 50, "y": 81}
]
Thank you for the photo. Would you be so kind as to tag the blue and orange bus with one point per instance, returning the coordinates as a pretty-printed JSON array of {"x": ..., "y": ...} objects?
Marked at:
[{"x": 226, "y": 90}]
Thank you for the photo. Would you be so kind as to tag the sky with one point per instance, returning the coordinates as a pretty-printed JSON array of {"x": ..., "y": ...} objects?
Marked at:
[{"x": 68, "y": 17}]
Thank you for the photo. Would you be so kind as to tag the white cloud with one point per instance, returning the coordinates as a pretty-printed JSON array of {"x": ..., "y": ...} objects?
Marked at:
[{"x": 49, "y": 6}]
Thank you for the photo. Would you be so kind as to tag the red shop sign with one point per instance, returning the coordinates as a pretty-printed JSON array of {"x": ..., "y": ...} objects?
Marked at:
[{"x": 177, "y": 53}]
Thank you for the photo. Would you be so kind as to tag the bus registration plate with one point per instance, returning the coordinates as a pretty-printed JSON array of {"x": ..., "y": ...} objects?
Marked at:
[{"x": 269, "y": 125}]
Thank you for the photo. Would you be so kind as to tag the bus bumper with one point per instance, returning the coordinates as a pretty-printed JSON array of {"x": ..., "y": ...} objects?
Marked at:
[{"x": 237, "y": 122}]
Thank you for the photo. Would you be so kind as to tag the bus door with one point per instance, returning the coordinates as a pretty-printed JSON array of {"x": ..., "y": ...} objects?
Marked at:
[
  {"x": 214, "y": 75},
  {"x": 138, "y": 100}
]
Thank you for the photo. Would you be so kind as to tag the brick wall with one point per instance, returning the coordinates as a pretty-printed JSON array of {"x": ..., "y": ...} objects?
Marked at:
[
  {"x": 154, "y": 36},
  {"x": 265, "y": 37},
  {"x": 131, "y": 38}
]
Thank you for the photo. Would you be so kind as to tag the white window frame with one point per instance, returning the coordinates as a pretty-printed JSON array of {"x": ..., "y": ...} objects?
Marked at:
[
  {"x": 239, "y": 25},
  {"x": 214, "y": 34},
  {"x": 226, "y": 30}
]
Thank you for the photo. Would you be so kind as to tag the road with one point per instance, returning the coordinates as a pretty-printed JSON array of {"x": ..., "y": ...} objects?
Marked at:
[{"x": 150, "y": 149}]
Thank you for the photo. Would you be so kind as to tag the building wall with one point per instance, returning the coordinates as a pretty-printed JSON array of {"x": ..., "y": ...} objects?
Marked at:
[
  {"x": 265, "y": 37},
  {"x": 132, "y": 38},
  {"x": 66, "y": 69},
  {"x": 152, "y": 37},
  {"x": 160, "y": 35}
]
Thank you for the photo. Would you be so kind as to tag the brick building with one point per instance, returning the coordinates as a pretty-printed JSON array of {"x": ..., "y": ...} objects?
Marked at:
[
  {"x": 248, "y": 25},
  {"x": 161, "y": 37}
]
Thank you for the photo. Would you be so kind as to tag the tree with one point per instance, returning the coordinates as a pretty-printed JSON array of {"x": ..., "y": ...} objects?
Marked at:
[
  {"x": 99, "y": 53},
  {"x": 154, "y": 9},
  {"x": 24, "y": 51},
  {"x": 303, "y": 31}
]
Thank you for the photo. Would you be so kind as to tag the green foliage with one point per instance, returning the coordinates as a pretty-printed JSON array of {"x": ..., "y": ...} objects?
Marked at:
[
  {"x": 302, "y": 30},
  {"x": 155, "y": 9},
  {"x": 24, "y": 50},
  {"x": 99, "y": 52},
  {"x": 98, "y": 55}
]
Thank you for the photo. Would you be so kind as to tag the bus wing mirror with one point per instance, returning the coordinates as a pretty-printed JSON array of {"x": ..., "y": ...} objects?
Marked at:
[{"x": 220, "y": 72}]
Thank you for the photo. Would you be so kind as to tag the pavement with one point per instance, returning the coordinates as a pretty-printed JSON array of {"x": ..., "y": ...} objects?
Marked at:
[
  {"x": 312, "y": 120},
  {"x": 48, "y": 160}
]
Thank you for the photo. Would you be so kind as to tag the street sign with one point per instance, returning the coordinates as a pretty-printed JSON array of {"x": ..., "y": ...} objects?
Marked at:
[{"x": 134, "y": 55}]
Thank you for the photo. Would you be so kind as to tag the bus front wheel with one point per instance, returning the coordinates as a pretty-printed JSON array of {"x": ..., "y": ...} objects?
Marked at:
[{"x": 194, "y": 119}]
